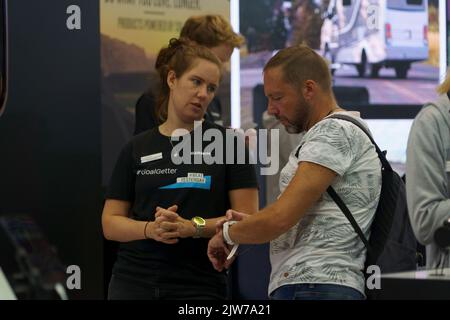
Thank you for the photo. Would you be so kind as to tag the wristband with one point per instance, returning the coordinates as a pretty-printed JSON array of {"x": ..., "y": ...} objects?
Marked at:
[
  {"x": 233, "y": 251},
  {"x": 226, "y": 236},
  {"x": 145, "y": 230}
]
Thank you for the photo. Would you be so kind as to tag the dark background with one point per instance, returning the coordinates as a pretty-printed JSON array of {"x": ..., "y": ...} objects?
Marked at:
[{"x": 50, "y": 156}]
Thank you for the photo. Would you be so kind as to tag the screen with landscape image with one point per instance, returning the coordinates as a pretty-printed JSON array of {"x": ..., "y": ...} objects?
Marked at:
[
  {"x": 383, "y": 130},
  {"x": 132, "y": 33},
  {"x": 386, "y": 49},
  {"x": 447, "y": 22},
  {"x": 383, "y": 54}
]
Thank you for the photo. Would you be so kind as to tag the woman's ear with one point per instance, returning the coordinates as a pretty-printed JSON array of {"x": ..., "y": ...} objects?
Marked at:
[{"x": 171, "y": 78}]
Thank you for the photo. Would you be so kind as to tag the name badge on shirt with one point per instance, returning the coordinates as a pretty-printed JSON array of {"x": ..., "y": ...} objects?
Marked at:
[{"x": 151, "y": 157}]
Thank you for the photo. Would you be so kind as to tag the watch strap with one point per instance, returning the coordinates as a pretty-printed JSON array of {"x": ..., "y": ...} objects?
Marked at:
[{"x": 225, "y": 232}]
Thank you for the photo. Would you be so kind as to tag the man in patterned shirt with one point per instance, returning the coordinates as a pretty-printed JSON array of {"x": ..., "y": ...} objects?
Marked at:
[{"x": 314, "y": 251}]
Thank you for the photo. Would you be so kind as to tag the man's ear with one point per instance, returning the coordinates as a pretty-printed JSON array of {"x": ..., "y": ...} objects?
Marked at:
[
  {"x": 171, "y": 78},
  {"x": 309, "y": 89}
]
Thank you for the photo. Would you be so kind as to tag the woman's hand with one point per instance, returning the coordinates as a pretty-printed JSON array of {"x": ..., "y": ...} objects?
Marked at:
[
  {"x": 174, "y": 225},
  {"x": 156, "y": 232}
]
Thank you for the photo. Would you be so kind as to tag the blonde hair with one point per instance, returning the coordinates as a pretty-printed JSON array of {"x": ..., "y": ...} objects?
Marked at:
[
  {"x": 300, "y": 63},
  {"x": 211, "y": 31},
  {"x": 444, "y": 87}
]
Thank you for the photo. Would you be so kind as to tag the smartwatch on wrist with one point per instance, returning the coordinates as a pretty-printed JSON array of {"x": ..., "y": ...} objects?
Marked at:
[
  {"x": 199, "y": 224},
  {"x": 226, "y": 236}
]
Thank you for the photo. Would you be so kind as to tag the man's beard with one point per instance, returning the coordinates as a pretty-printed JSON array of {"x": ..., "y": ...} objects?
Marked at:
[
  {"x": 300, "y": 118},
  {"x": 292, "y": 128}
]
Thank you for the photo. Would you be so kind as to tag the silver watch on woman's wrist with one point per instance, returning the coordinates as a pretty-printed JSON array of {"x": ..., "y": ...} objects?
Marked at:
[{"x": 199, "y": 224}]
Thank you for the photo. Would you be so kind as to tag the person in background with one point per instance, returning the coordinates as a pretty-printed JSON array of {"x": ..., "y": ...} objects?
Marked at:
[
  {"x": 211, "y": 31},
  {"x": 164, "y": 256},
  {"x": 428, "y": 173}
]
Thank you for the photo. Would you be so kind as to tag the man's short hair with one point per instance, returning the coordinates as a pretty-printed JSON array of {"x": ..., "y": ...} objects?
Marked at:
[
  {"x": 211, "y": 31},
  {"x": 300, "y": 63}
]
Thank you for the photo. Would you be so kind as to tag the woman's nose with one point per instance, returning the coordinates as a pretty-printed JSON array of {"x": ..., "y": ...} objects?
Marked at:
[{"x": 202, "y": 91}]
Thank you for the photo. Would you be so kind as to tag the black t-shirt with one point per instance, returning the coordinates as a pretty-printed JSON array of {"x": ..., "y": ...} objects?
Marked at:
[
  {"x": 146, "y": 176},
  {"x": 145, "y": 114}
]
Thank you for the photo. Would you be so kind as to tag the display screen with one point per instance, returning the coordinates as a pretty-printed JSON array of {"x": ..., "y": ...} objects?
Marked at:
[
  {"x": 392, "y": 135},
  {"x": 447, "y": 25},
  {"x": 384, "y": 52}
]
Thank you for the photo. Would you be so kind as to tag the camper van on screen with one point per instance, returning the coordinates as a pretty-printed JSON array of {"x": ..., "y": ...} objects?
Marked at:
[{"x": 371, "y": 35}]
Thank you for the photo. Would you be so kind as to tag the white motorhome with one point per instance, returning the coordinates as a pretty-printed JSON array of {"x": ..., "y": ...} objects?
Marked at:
[{"x": 373, "y": 34}]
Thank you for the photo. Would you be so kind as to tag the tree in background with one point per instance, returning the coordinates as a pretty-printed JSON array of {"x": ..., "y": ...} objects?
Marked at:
[{"x": 307, "y": 21}]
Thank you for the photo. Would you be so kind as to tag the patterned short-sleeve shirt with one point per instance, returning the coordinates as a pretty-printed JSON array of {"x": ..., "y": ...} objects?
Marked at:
[{"x": 323, "y": 247}]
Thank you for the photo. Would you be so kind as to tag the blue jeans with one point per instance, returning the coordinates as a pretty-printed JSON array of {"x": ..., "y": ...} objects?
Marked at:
[{"x": 312, "y": 291}]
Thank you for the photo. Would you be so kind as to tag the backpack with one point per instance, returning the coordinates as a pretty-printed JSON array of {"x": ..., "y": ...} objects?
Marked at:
[{"x": 392, "y": 244}]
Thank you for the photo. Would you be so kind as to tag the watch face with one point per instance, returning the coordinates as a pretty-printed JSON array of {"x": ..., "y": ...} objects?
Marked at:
[{"x": 199, "y": 221}]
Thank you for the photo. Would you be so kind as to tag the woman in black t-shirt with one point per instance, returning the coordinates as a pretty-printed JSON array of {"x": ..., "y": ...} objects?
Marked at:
[{"x": 164, "y": 256}]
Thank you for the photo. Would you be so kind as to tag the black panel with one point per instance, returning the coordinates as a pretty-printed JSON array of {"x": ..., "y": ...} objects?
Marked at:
[
  {"x": 50, "y": 156},
  {"x": 3, "y": 54}
]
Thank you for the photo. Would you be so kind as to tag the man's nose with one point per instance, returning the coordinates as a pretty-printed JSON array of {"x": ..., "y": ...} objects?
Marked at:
[{"x": 271, "y": 109}]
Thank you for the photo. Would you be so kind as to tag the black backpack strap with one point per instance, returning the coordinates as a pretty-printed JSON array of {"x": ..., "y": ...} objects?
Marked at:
[
  {"x": 385, "y": 164},
  {"x": 298, "y": 151},
  {"x": 343, "y": 207},
  {"x": 335, "y": 196},
  {"x": 348, "y": 214}
]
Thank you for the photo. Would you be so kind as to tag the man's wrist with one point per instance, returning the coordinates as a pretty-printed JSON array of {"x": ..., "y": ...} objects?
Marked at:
[{"x": 225, "y": 232}]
